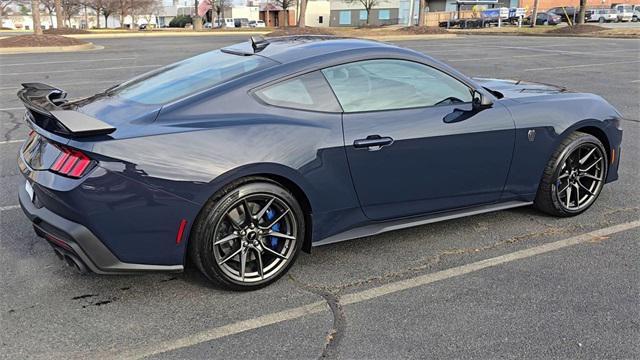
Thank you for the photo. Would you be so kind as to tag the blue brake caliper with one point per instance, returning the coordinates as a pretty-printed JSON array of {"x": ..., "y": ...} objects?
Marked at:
[{"x": 273, "y": 244}]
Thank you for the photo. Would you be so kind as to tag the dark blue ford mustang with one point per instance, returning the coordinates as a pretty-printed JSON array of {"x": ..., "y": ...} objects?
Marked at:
[{"x": 239, "y": 158}]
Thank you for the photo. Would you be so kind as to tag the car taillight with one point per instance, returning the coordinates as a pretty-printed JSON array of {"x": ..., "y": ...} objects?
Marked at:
[{"x": 71, "y": 163}]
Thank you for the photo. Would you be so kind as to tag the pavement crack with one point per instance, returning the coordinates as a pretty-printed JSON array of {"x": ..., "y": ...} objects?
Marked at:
[
  {"x": 16, "y": 124},
  {"x": 336, "y": 333}
]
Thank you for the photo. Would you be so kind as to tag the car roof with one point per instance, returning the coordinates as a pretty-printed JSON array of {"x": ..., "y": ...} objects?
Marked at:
[{"x": 288, "y": 49}]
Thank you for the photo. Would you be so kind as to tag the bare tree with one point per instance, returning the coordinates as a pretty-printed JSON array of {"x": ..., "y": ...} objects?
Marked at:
[
  {"x": 96, "y": 6},
  {"x": 285, "y": 5},
  {"x": 148, "y": 8},
  {"x": 35, "y": 13},
  {"x": 367, "y": 4},
  {"x": 50, "y": 7},
  {"x": 581, "y": 14},
  {"x": 71, "y": 9},
  {"x": 5, "y": 10},
  {"x": 59, "y": 12},
  {"x": 109, "y": 7},
  {"x": 534, "y": 14},
  {"x": 421, "y": 12},
  {"x": 302, "y": 14}
]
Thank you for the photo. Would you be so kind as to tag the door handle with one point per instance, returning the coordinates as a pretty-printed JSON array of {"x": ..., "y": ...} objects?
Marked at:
[{"x": 373, "y": 142}]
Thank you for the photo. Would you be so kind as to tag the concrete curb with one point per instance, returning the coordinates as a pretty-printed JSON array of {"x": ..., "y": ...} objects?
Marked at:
[
  {"x": 249, "y": 33},
  {"x": 163, "y": 34},
  {"x": 409, "y": 37},
  {"x": 49, "y": 49}
]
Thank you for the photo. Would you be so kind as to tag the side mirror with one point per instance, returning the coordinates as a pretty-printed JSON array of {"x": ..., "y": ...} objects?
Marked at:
[{"x": 481, "y": 101}]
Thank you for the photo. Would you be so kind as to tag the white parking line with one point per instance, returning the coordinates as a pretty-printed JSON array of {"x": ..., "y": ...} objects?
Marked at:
[
  {"x": 10, "y": 142},
  {"x": 499, "y": 58},
  {"x": 582, "y": 65},
  {"x": 10, "y": 207},
  {"x": 376, "y": 292},
  {"x": 12, "y": 109},
  {"x": 68, "y": 61},
  {"x": 78, "y": 70}
]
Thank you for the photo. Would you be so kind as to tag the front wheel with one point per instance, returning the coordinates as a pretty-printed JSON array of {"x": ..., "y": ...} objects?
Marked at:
[
  {"x": 574, "y": 176},
  {"x": 248, "y": 235}
]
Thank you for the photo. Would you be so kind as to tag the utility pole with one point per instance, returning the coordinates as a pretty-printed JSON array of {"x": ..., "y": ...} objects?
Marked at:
[
  {"x": 534, "y": 15},
  {"x": 411, "y": 11}
]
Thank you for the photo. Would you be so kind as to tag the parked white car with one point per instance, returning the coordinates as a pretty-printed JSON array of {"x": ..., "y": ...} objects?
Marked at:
[
  {"x": 625, "y": 12},
  {"x": 601, "y": 15},
  {"x": 227, "y": 22},
  {"x": 636, "y": 13},
  {"x": 257, "y": 24}
]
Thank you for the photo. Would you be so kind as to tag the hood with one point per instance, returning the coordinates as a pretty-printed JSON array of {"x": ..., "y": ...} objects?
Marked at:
[{"x": 518, "y": 88}]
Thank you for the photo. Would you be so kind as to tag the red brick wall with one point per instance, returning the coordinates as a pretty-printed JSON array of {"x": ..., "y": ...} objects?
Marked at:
[{"x": 547, "y": 4}]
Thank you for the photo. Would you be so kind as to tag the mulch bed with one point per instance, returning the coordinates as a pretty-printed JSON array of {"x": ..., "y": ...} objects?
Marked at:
[
  {"x": 294, "y": 30},
  {"x": 577, "y": 29},
  {"x": 421, "y": 30},
  {"x": 38, "y": 41},
  {"x": 65, "y": 31}
]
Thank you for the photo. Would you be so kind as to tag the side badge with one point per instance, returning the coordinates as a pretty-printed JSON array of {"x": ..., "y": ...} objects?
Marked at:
[{"x": 531, "y": 135}]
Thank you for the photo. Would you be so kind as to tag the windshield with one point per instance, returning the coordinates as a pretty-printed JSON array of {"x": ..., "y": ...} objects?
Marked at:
[{"x": 189, "y": 76}]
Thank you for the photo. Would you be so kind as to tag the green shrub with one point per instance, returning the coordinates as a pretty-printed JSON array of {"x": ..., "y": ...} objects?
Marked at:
[{"x": 180, "y": 21}]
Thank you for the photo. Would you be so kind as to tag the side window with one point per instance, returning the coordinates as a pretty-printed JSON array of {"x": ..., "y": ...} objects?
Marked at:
[
  {"x": 305, "y": 92},
  {"x": 393, "y": 84}
]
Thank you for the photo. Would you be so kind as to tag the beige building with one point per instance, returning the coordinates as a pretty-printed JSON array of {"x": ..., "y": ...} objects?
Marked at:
[
  {"x": 318, "y": 12},
  {"x": 346, "y": 14}
]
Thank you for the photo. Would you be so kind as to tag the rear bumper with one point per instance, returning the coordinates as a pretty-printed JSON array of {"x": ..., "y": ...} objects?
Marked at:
[{"x": 80, "y": 241}]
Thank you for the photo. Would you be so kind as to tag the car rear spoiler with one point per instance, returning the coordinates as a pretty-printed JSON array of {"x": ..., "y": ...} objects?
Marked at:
[{"x": 47, "y": 101}]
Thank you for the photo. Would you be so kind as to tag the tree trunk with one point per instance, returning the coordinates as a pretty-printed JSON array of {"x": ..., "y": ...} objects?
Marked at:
[
  {"x": 581, "y": 14},
  {"x": 368, "y": 11},
  {"x": 421, "y": 13},
  {"x": 59, "y": 14},
  {"x": 303, "y": 11},
  {"x": 35, "y": 13},
  {"x": 98, "y": 18},
  {"x": 286, "y": 18},
  {"x": 106, "y": 23},
  {"x": 534, "y": 14}
]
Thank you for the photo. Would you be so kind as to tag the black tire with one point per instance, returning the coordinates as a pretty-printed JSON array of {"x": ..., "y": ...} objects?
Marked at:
[
  {"x": 547, "y": 198},
  {"x": 204, "y": 232}
]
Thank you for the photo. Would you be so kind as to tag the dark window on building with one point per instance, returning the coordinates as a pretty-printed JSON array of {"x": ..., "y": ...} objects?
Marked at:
[{"x": 320, "y": 19}]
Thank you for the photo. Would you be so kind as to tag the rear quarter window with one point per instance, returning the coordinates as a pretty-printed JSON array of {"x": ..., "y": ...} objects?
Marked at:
[{"x": 305, "y": 92}]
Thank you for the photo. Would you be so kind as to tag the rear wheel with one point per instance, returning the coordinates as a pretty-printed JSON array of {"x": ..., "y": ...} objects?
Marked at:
[
  {"x": 248, "y": 235},
  {"x": 574, "y": 176}
]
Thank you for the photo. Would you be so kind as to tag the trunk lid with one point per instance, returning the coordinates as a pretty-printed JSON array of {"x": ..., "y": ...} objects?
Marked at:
[{"x": 58, "y": 123}]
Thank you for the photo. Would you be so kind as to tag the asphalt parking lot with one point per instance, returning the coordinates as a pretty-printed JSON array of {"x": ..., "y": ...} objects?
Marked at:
[{"x": 511, "y": 284}]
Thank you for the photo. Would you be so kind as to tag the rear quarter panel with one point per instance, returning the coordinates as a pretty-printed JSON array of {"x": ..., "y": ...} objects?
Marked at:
[{"x": 202, "y": 145}]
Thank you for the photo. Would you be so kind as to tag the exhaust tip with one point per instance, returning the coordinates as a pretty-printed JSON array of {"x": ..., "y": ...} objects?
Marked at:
[
  {"x": 58, "y": 254},
  {"x": 76, "y": 264}
]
